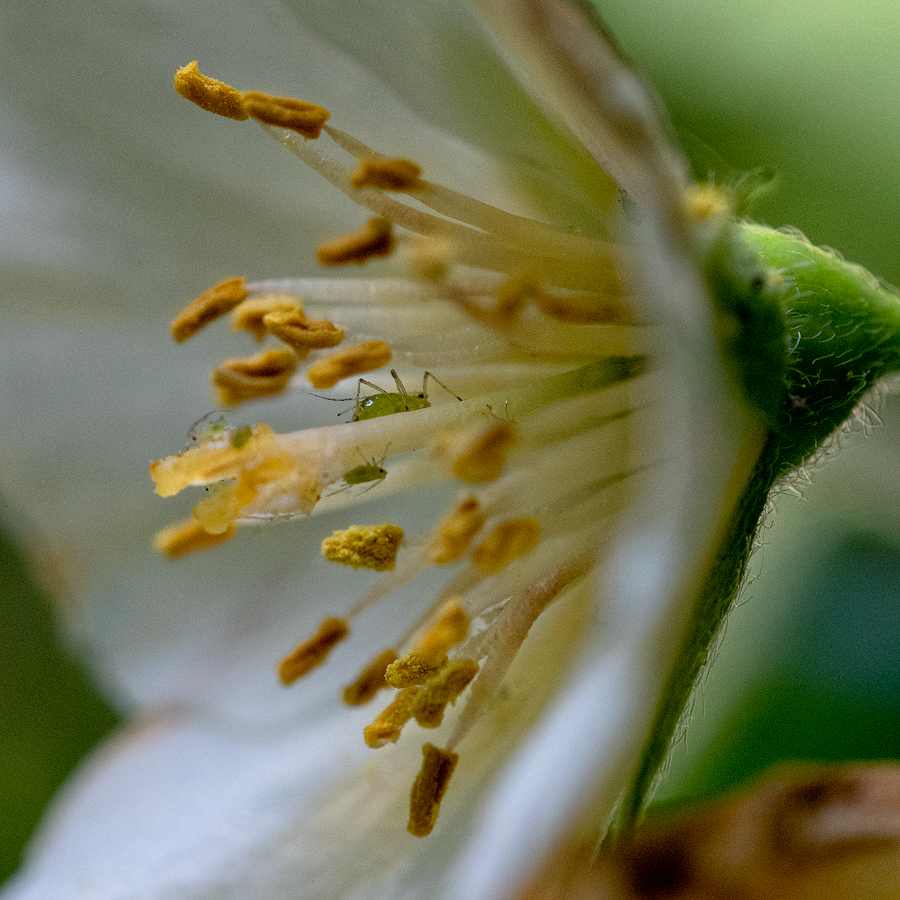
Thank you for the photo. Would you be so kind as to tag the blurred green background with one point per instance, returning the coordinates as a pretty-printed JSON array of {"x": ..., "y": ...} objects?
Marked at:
[{"x": 808, "y": 667}]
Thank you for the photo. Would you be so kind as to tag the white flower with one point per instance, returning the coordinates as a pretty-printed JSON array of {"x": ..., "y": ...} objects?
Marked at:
[{"x": 226, "y": 785}]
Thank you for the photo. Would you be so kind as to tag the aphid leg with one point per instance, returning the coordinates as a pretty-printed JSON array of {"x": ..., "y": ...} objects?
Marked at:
[{"x": 437, "y": 380}]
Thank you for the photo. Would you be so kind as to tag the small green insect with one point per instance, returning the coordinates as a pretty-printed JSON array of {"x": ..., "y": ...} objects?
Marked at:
[
  {"x": 386, "y": 403},
  {"x": 370, "y": 473},
  {"x": 373, "y": 471}
]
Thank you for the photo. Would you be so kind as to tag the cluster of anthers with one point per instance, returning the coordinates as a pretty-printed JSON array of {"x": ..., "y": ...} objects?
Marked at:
[{"x": 529, "y": 322}]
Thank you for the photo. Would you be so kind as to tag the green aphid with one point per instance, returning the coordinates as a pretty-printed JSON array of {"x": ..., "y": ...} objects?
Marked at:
[
  {"x": 367, "y": 472},
  {"x": 386, "y": 403},
  {"x": 241, "y": 436}
]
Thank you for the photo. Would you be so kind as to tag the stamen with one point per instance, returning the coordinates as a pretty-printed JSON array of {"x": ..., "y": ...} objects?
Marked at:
[
  {"x": 250, "y": 314},
  {"x": 313, "y": 651},
  {"x": 220, "y": 511},
  {"x": 187, "y": 536},
  {"x": 305, "y": 118},
  {"x": 429, "y": 788},
  {"x": 411, "y": 670},
  {"x": 262, "y": 375},
  {"x": 209, "y": 93},
  {"x": 479, "y": 455},
  {"x": 578, "y": 311},
  {"x": 451, "y": 628},
  {"x": 302, "y": 334},
  {"x": 705, "y": 201},
  {"x": 388, "y": 725},
  {"x": 355, "y": 360},
  {"x": 365, "y": 546},
  {"x": 508, "y": 541},
  {"x": 591, "y": 270},
  {"x": 374, "y": 239},
  {"x": 387, "y": 174},
  {"x": 442, "y": 689},
  {"x": 370, "y": 680},
  {"x": 455, "y": 531},
  {"x": 211, "y": 304}
]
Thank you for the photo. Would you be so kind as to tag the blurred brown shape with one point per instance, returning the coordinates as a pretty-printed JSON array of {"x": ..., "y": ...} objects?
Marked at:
[{"x": 803, "y": 833}]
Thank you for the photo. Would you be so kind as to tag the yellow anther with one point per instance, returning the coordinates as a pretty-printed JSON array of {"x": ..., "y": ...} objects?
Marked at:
[
  {"x": 305, "y": 118},
  {"x": 706, "y": 201},
  {"x": 455, "y": 531},
  {"x": 374, "y": 239},
  {"x": 442, "y": 688},
  {"x": 211, "y": 304},
  {"x": 429, "y": 788},
  {"x": 364, "y": 357},
  {"x": 187, "y": 536},
  {"x": 302, "y": 334},
  {"x": 209, "y": 93},
  {"x": 389, "y": 723},
  {"x": 510, "y": 540},
  {"x": 365, "y": 546},
  {"x": 429, "y": 257},
  {"x": 218, "y": 512},
  {"x": 387, "y": 174},
  {"x": 249, "y": 315},
  {"x": 411, "y": 670},
  {"x": 262, "y": 375},
  {"x": 451, "y": 627},
  {"x": 479, "y": 455},
  {"x": 513, "y": 294},
  {"x": 370, "y": 680},
  {"x": 313, "y": 651}
]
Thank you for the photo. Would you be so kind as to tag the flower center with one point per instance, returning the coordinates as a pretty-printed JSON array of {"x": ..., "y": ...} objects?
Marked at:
[{"x": 529, "y": 323}]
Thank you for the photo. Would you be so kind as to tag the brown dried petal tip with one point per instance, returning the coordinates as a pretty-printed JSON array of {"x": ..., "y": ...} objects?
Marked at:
[
  {"x": 262, "y": 375},
  {"x": 429, "y": 788},
  {"x": 211, "y": 304},
  {"x": 209, "y": 93},
  {"x": 305, "y": 118},
  {"x": 374, "y": 239}
]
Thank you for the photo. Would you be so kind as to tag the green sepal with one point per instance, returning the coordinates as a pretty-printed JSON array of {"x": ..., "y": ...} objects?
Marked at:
[
  {"x": 842, "y": 334},
  {"x": 808, "y": 335}
]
